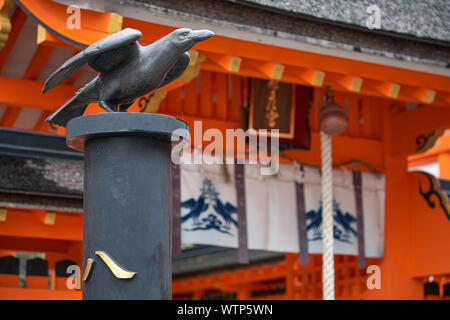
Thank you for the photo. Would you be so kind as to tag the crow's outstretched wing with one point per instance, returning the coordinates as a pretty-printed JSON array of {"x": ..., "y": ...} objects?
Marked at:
[
  {"x": 101, "y": 56},
  {"x": 177, "y": 69}
]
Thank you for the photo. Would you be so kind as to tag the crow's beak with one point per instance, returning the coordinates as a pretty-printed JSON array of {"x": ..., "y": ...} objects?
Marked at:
[{"x": 200, "y": 35}]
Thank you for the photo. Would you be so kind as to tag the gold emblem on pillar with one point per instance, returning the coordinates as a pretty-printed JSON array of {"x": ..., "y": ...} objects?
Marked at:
[
  {"x": 89, "y": 266},
  {"x": 116, "y": 269}
]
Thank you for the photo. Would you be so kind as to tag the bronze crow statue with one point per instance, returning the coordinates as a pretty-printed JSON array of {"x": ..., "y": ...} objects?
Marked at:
[{"x": 127, "y": 70}]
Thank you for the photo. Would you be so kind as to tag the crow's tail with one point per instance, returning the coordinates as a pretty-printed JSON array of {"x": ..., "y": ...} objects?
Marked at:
[
  {"x": 76, "y": 106},
  {"x": 71, "y": 109}
]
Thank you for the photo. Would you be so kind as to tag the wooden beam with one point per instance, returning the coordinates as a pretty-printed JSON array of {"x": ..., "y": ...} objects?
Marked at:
[
  {"x": 415, "y": 128},
  {"x": 388, "y": 89},
  {"x": 45, "y": 38},
  {"x": 291, "y": 57},
  {"x": 345, "y": 149},
  {"x": 345, "y": 82},
  {"x": 41, "y": 124},
  {"x": 227, "y": 62},
  {"x": 33, "y": 71},
  {"x": 424, "y": 95},
  {"x": 269, "y": 69},
  {"x": 9, "y": 117},
  {"x": 368, "y": 87},
  {"x": 43, "y": 225},
  {"x": 312, "y": 77},
  {"x": 33, "y": 244},
  {"x": 38, "y": 62},
  {"x": 328, "y": 64},
  {"x": 53, "y": 16},
  {"x": 12, "y": 94}
]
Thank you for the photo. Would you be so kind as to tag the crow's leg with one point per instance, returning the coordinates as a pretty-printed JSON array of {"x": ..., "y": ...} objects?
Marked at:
[
  {"x": 107, "y": 106},
  {"x": 124, "y": 107}
]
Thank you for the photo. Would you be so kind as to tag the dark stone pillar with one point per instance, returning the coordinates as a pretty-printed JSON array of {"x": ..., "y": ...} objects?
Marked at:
[{"x": 127, "y": 202}]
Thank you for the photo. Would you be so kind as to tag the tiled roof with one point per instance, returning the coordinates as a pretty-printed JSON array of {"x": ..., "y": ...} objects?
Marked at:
[{"x": 421, "y": 18}]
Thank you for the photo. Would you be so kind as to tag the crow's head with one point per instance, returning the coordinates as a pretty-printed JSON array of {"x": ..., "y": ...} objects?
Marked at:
[{"x": 185, "y": 39}]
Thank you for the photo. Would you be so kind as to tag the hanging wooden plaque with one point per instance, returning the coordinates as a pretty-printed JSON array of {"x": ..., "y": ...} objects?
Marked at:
[{"x": 272, "y": 107}]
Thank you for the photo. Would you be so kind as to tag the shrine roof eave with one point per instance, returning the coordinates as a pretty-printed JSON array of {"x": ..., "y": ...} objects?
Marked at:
[
  {"x": 427, "y": 19},
  {"x": 296, "y": 30},
  {"x": 303, "y": 63}
]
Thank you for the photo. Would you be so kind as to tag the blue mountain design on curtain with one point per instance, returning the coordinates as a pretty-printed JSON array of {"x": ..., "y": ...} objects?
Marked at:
[
  {"x": 342, "y": 228},
  {"x": 220, "y": 218}
]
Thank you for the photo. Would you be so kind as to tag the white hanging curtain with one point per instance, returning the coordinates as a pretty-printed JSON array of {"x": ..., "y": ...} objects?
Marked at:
[{"x": 209, "y": 214}]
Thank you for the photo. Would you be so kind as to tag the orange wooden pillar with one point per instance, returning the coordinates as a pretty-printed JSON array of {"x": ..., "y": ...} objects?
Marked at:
[
  {"x": 396, "y": 280},
  {"x": 395, "y": 268}
]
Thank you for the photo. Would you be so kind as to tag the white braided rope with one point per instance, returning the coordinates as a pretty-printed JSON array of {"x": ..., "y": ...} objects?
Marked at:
[{"x": 327, "y": 219}]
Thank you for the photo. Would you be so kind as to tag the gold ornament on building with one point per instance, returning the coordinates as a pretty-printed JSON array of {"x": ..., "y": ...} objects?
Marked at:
[{"x": 5, "y": 23}]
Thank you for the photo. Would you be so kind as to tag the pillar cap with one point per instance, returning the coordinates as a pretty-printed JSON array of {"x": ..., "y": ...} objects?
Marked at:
[{"x": 111, "y": 124}]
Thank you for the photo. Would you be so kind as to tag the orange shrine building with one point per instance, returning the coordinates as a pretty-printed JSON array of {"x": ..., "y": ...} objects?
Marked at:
[{"x": 394, "y": 82}]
